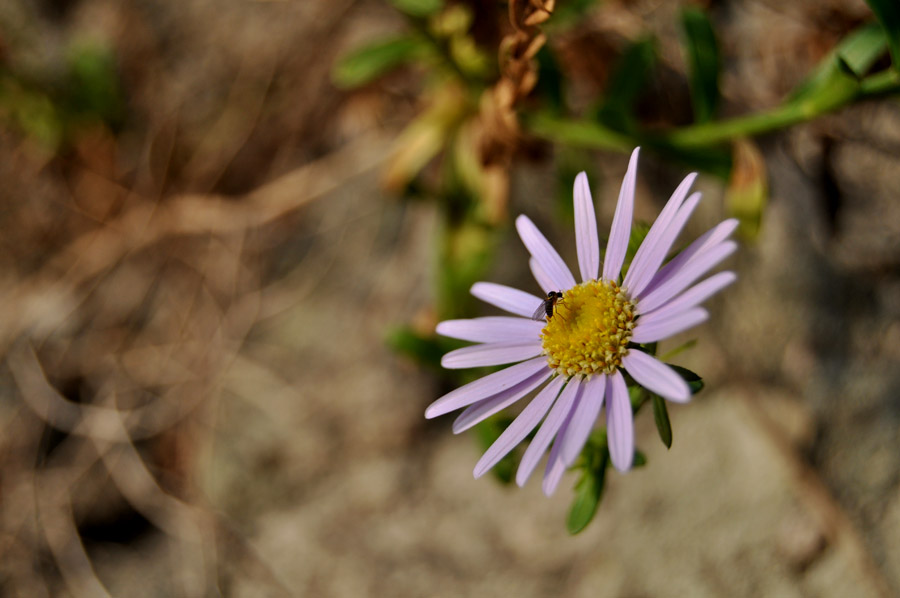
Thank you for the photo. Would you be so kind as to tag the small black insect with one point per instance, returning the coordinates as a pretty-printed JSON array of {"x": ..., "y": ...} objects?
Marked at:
[{"x": 545, "y": 309}]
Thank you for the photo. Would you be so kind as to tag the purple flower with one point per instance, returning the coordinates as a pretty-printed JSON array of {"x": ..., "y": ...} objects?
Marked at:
[{"x": 592, "y": 333}]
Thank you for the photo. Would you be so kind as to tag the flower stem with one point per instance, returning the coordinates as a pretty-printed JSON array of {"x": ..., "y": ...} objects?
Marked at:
[{"x": 584, "y": 133}]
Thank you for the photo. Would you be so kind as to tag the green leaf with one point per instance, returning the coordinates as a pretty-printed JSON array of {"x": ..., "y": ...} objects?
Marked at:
[
  {"x": 640, "y": 459},
  {"x": 661, "y": 417},
  {"x": 695, "y": 382},
  {"x": 577, "y": 132},
  {"x": 32, "y": 111},
  {"x": 418, "y": 8},
  {"x": 369, "y": 62},
  {"x": 588, "y": 492},
  {"x": 714, "y": 159},
  {"x": 888, "y": 13},
  {"x": 94, "y": 89},
  {"x": 597, "y": 445},
  {"x": 851, "y": 58},
  {"x": 859, "y": 51},
  {"x": 568, "y": 13},
  {"x": 637, "y": 394},
  {"x": 424, "y": 350},
  {"x": 703, "y": 62},
  {"x": 487, "y": 433},
  {"x": 551, "y": 85},
  {"x": 629, "y": 78},
  {"x": 467, "y": 251}
]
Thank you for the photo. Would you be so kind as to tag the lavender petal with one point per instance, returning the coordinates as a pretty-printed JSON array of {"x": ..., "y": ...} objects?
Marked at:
[
  {"x": 545, "y": 282},
  {"x": 474, "y": 414},
  {"x": 707, "y": 240},
  {"x": 694, "y": 296},
  {"x": 506, "y": 298},
  {"x": 542, "y": 251},
  {"x": 491, "y": 329},
  {"x": 488, "y": 354},
  {"x": 621, "y": 226},
  {"x": 585, "y": 415},
  {"x": 548, "y": 430},
  {"x": 486, "y": 387},
  {"x": 619, "y": 423},
  {"x": 656, "y": 376},
  {"x": 587, "y": 243},
  {"x": 657, "y": 329},
  {"x": 692, "y": 270},
  {"x": 656, "y": 253},
  {"x": 520, "y": 428},
  {"x": 556, "y": 467}
]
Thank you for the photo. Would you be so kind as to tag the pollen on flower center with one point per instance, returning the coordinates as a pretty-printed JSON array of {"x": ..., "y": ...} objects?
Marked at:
[{"x": 589, "y": 330}]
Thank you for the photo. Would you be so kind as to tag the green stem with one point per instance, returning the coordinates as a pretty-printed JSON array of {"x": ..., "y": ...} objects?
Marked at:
[
  {"x": 744, "y": 126},
  {"x": 577, "y": 133},
  {"x": 583, "y": 133},
  {"x": 883, "y": 83}
]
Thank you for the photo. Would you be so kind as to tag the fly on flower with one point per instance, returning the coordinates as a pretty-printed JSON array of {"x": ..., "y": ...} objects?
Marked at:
[
  {"x": 545, "y": 309},
  {"x": 581, "y": 353}
]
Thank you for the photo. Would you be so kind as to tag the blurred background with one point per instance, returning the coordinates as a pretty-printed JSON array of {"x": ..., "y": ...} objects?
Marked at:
[{"x": 229, "y": 228}]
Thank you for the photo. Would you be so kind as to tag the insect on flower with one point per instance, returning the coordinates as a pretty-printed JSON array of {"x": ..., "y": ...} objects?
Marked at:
[{"x": 545, "y": 309}]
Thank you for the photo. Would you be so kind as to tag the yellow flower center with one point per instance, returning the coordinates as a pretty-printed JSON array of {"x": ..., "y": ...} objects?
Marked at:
[{"x": 589, "y": 330}]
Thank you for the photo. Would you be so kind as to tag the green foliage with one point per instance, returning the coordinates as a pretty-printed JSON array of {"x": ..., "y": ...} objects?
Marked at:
[
  {"x": 661, "y": 417},
  {"x": 628, "y": 79},
  {"x": 888, "y": 13},
  {"x": 569, "y": 12},
  {"x": 715, "y": 159},
  {"x": 33, "y": 112},
  {"x": 588, "y": 492},
  {"x": 51, "y": 111},
  {"x": 425, "y": 350},
  {"x": 859, "y": 51},
  {"x": 467, "y": 251},
  {"x": 593, "y": 463},
  {"x": 637, "y": 395},
  {"x": 640, "y": 459},
  {"x": 837, "y": 75},
  {"x": 369, "y": 62},
  {"x": 703, "y": 62},
  {"x": 694, "y": 381},
  {"x": 550, "y": 86},
  {"x": 840, "y": 79},
  {"x": 418, "y": 8},
  {"x": 577, "y": 133},
  {"x": 589, "y": 488},
  {"x": 93, "y": 88}
]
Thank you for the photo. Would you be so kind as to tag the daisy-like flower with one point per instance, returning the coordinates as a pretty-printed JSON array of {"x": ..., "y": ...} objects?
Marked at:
[{"x": 591, "y": 334}]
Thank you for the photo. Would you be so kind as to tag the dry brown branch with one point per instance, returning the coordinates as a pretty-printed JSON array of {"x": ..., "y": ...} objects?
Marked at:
[
  {"x": 62, "y": 537},
  {"x": 236, "y": 122},
  {"x": 45, "y": 301},
  {"x": 500, "y": 132},
  {"x": 99, "y": 423}
]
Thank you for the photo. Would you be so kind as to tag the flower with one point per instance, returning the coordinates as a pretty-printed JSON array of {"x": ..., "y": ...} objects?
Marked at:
[{"x": 593, "y": 332}]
